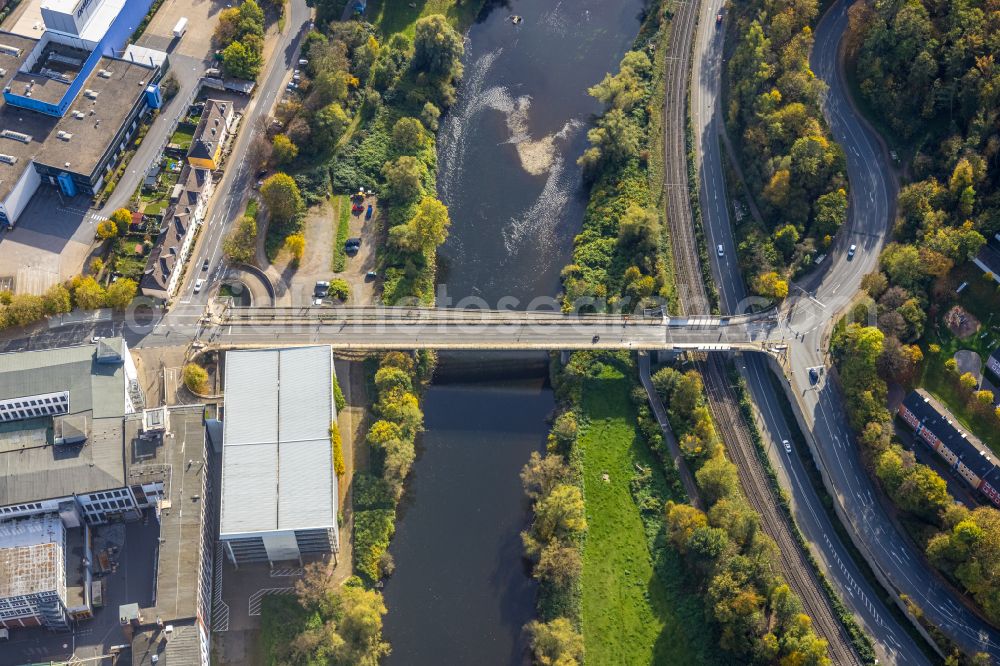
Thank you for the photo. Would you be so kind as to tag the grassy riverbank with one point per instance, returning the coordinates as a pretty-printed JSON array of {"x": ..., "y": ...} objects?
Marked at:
[{"x": 634, "y": 608}]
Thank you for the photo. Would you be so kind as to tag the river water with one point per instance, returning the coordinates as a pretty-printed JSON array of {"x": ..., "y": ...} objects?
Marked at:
[{"x": 507, "y": 171}]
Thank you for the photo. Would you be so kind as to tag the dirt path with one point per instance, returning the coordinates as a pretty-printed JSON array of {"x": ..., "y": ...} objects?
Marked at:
[{"x": 352, "y": 422}]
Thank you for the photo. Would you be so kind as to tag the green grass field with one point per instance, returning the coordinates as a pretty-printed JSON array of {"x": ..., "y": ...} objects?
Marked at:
[
  {"x": 392, "y": 16},
  {"x": 635, "y": 610}
]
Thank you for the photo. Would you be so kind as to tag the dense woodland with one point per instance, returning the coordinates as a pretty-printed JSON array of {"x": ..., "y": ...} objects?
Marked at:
[
  {"x": 927, "y": 75},
  {"x": 794, "y": 170}
]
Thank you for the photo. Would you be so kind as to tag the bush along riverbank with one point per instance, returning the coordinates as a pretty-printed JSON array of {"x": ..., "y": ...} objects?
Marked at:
[{"x": 622, "y": 255}]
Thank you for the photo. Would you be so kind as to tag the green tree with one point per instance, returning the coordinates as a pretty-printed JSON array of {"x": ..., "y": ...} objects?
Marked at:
[
  {"x": 56, "y": 300},
  {"x": 284, "y": 149},
  {"x": 717, "y": 479},
  {"x": 241, "y": 60},
  {"x": 543, "y": 473},
  {"x": 120, "y": 293},
  {"x": 404, "y": 179},
  {"x": 559, "y": 564},
  {"x": 556, "y": 643},
  {"x": 24, "y": 309},
  {"x": 296, "y": 246},
  {"x": 328, "y": 126},
  {"x": 408, "y": 135},
  {"x": 122, "y": 218},
  {"x": 831, "y": 212},
  {"x": 389, "y": 378},
  {"x": 437, "y": 48},
  {"x": 281, "y": 196},
  {"x": 339, "y": 288},
  {"x": 240, "y": 246},
  {"x": 195, "y": 378},
  {"x": 559, "y": 515},
  {"x": 785, "y": 239}
]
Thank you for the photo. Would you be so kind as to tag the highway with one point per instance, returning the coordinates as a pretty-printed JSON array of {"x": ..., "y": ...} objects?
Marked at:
[
  {"x": 892, "y": 642},
  {"x": 817, "y": 301}
]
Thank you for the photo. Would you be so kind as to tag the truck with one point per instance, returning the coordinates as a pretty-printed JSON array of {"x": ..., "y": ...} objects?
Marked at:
[{"x": 181, "y": 27}]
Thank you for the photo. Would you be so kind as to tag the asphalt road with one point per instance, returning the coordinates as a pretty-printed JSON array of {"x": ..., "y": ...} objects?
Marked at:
[
  {"x": 233, "y": 191},
  {"x": 814, "y": 306}
]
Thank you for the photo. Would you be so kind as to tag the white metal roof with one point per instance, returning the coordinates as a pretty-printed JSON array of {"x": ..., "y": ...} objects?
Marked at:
[{"x": 277, "y": 462}]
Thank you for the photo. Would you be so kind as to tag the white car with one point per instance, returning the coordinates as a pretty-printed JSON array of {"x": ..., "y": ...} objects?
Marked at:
[
  {"x": 788, "y": 447},
  {"x": 720, "y": 250},
  {"x": 198, "y": 284},
  {"x": 851, "y": 250}
]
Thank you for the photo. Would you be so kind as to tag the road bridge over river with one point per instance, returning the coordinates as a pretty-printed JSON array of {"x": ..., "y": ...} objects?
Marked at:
[{"x": 371, "y": 328}]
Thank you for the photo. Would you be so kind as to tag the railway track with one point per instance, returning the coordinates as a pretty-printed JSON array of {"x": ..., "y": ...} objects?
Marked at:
[
  {"x": 694, "y": 301},
  {"x": 679, "y": 217},
  {"x": 800, "y": 575}
]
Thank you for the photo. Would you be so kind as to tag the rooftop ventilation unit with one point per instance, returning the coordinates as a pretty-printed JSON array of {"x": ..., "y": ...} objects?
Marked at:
[
  {"x": 10, "y": 50},
  {"x": 8, "y": 159},
  {"x": 104, "y": 73},
  {"x": 17, "y": 136}
]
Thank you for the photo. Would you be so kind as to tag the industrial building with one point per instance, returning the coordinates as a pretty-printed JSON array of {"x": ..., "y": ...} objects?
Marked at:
[
  {"x": 72, "y": 99},
  {"x": 279, "y": 489},
  {"x": 936, "y": 426},
  {"x": 33, "y": 573}
]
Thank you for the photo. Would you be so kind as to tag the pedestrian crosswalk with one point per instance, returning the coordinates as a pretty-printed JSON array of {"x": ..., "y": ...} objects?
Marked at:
[{"x": 96, "y": 218}]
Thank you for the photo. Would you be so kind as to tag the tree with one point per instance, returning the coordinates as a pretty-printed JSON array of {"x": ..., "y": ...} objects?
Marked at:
[
  {"x": 717, "y": 479},
  {"x": 437, "y": 48},
  {"x": 339, "y": 288},
  {"x": 120, "y": 293},
  {"x": 639, "y": 230},
  {"x": 429, "y": 116},
  {"x": 241, "y": 60},
  {"x": 785, "y": 239},
  {"x": 338, "y": 450},
  {"x": 195, "y": 378},
  {"x": 541, "y": 474},
  {"x": 284, "y": 149},
  {"x": 556, "y": 643},
  {"x": 107, "y": 229},
  {"x": 226, "y": 29},
  {"x": 122, "y": 218},
  {"x": 296, "y": 246},
  {"x": 875, "y": 283},
  {"x": 771, "y": 285},
  {"x": 408, "y": 135},
  {"x": 88, "y": 294},
  {"x": 328, "y": 126},
  {"x": 56, "y": 300},
  {"x": 399, "y": 456},
  {"x": 903, "y": 265},
  {"x": 682, "y": 521},
  {"x": 831, "y": 212},
  {"x": 429, "y": 225},
  {"x": 404, "y": 179},
  {"x": 559, "y": 515},
  {"x": 240, "y": 246},
  {"x": 559, "y": 564},
  {"x": 281, "y": 196},
  {"x": 389, "y": 378},
  {"x": 23, "y": 309},
  {"x": 968, "y": 382}
]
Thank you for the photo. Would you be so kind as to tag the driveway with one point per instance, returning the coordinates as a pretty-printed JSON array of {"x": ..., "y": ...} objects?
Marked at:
[{"x": 51, "y": 242}]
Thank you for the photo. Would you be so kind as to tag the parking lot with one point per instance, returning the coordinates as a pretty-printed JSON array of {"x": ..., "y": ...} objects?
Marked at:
[
  {"x": 50, "y": 243},
  {"x": 197, "y": 41}
]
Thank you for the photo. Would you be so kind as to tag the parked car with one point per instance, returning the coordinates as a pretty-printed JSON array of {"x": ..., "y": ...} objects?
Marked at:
[
  {"x": 321, "y": 289},
  {"x": 368, "y": 213},
  {"x": 371, "y": 275},
  {"x": 352, "y": 245},
  {"x": 357, "y": 208},
  {"x": 212, "y": 72},
  {"x": 198, "y": 284},
  {"x": 96, "y": 339}
]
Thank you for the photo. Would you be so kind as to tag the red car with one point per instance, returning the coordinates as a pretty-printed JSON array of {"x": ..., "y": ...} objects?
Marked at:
[
  {"x": 718, "y": 19},
  {"x": 357, "y": 208}
]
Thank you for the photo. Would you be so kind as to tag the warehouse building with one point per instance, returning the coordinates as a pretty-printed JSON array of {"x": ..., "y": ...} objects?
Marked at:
[
  {"x": 279, "y": 490},
  {"x": 937, "y": 427},
  {"x": 33, "y": 574},
  {"x": 72, "y": 99}
]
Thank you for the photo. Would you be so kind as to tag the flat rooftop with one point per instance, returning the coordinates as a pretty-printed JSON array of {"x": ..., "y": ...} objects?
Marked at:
[
  {"x": 57, "y": 67},
  {"x": 181, "y": 517},
  {"x": 32, "y": 466},
  {"x": 31, "y": 557},
  {"x": 89, "y": 131},
  {"x": 277, "y": 462}
]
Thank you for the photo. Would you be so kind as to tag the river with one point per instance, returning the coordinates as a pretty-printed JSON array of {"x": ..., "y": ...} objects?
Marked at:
[{"x": 507, "y": 171}]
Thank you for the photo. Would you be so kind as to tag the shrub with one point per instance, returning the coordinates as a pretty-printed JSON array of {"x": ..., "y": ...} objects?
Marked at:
[
  {"x": 339, "y": 288},
  {"x": 195, "y": 378}
]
